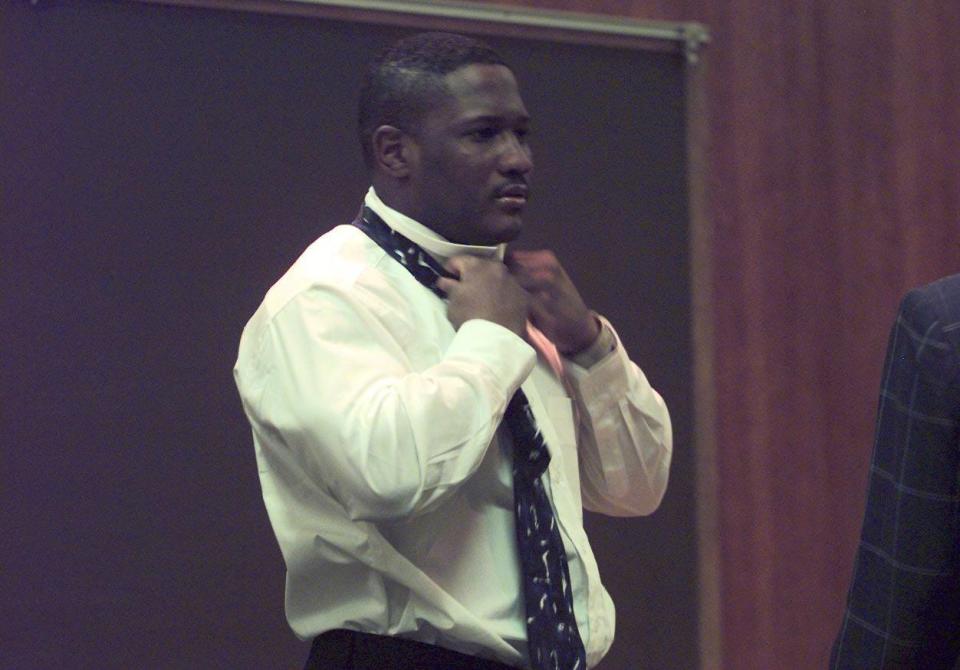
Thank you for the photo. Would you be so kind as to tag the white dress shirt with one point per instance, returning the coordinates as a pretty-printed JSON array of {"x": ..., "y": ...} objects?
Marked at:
[{"x": 384, "y": 472}]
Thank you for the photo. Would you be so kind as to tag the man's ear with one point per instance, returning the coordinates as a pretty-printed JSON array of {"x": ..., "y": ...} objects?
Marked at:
[{"x": 393, "y": 151}]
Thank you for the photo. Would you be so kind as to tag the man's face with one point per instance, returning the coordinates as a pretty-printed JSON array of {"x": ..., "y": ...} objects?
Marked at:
[{"x": 471, "y": 161}]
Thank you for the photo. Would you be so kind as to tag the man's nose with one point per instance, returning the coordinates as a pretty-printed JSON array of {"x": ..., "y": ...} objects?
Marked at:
[{"x": 516, "y": 156}]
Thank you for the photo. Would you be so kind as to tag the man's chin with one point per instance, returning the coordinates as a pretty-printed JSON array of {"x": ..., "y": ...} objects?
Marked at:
[
  {"x": 505, "y": 229},
  {"x": 490, "y": 230}
]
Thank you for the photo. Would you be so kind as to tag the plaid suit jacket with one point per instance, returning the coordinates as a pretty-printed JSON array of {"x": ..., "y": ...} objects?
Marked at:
[{"x": 903, "y": 607}]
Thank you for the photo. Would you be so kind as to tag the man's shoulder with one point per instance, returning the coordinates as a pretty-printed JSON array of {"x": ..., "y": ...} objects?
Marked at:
[
  {"x": 935, "y": 303},
  {"x": 342, "y": 266},
  {"x": 929, "y": 325},
  {"x": 336, "y": 257},
  {"x": 333, "y": 263}
]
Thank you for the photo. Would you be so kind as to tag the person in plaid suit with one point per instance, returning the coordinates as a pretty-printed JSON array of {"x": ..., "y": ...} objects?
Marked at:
[{"x": 903, "y": 607}]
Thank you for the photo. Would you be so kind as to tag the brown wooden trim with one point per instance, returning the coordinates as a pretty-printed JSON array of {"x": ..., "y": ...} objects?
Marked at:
[
  {"x": 487, "y": 19},
  {"x": 704, "y": 391}
]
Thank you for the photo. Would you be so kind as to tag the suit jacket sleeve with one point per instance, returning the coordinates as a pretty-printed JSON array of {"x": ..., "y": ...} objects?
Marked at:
[{"x": 903, "y": 609}]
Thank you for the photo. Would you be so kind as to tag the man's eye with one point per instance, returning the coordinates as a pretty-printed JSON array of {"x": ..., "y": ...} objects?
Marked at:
[{"x": 483, "y": 134}]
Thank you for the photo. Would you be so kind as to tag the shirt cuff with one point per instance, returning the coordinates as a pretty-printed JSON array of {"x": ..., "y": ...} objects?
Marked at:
[
  {"x": 609, "y": 376},
  {"x": 605, "y": 343}
]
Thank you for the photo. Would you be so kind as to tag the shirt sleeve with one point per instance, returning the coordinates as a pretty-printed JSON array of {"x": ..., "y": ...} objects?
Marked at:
[
  {"x": 336, "y": 388},
  {"x": 625, "y": 437}
]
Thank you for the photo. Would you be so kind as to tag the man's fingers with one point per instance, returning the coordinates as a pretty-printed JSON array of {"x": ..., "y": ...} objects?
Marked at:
[
  {"x": 535, "y": 258},
  {"x": 535, "y": 270},
  {"x": 446, "y": 285},
  {"x": 459, "y": 264},
  {"x": 453, "y": 265},
  {"x": 532, "y": 282},
  {"x": 484, "y": 289}
]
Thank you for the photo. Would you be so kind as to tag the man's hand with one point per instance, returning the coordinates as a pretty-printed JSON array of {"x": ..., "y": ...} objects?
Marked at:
[
  {"x": 484, "y": 290},
  {"x": 556, "y": 307}
]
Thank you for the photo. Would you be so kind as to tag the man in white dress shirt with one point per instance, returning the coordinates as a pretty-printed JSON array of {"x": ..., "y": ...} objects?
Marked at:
[{"x": 376, "y": 402}]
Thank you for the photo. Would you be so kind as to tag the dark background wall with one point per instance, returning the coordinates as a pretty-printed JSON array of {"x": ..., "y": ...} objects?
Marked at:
[{"x": 159, "y": 168}]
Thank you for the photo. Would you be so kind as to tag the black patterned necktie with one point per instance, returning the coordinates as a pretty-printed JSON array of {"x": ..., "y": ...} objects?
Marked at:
[{"x": 553, "y": 638}]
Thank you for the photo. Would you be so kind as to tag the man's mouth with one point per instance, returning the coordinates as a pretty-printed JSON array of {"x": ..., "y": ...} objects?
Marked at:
[{"x": 513, "y": 195}]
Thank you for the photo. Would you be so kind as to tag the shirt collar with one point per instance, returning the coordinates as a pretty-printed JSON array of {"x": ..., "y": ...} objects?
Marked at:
[{"x": 419, "y": 234}]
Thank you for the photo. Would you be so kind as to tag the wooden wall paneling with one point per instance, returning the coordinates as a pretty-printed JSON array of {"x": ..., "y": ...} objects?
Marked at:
[
  {"x": 834, "y": 131},
  {"x": 702, "y": 305}
]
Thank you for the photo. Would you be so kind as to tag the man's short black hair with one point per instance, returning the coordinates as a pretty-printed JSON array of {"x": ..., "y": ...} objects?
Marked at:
[{"x": 405, "y": 79}]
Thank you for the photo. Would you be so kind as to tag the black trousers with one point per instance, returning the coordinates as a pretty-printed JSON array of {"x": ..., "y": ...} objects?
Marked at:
[{"x": 350, "y": 650}]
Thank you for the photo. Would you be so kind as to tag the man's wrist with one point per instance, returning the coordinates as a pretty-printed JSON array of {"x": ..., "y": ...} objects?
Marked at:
[{"x": 601, "y": 345}]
